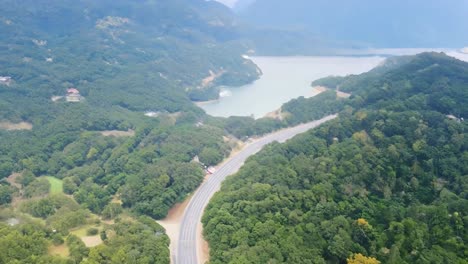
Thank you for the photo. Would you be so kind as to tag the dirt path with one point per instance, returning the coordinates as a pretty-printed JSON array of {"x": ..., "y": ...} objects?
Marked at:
[
  {"x": 342, "y": 94},
  {"x": 212, "y": 77},
  {"x": 118, "y": 133},
  {"x": 12, "y": 181},
  {"x": 316, "y": 90},
  {"x": 15, "y": 126},
  {"x": 320, "y": 89}
]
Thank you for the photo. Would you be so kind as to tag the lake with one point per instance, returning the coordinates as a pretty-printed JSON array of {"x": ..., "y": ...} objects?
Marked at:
[{"x": 283, "y": 79}]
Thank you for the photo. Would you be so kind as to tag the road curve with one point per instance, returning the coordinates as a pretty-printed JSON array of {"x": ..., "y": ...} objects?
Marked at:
[{"x": 187, "y": 245}]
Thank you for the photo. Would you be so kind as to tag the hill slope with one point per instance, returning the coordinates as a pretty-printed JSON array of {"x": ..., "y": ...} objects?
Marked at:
[
  {"x": 387, "y": 181},
  {"x": 116, "y": 164},
  {"x": 103, "y": 48}
]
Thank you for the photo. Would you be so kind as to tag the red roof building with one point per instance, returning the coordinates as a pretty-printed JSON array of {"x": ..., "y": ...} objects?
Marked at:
[
  {"x": 73, "y": 95},
  {"x": 73, "y": 91}
]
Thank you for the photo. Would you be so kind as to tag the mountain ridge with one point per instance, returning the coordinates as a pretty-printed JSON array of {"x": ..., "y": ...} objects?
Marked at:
[{"x": 368, "y": 23}]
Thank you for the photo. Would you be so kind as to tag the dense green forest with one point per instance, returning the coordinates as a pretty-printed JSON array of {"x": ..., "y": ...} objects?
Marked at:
[
  {"x": 83, "y": 182},
  {"x": 62, "y": 177},
  {"x": 139, "y": 240},
  {"x": 78, "y": 172},
  {"x": 386, "y": 181}
]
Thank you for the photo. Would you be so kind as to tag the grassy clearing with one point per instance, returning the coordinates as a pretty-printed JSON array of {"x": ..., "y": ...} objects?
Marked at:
[
  {"x": 90, "y": 241},
  {"x": 118, "y": 133},
  {"x": 61, "y": 250},
  {"x": 81, "y": 232},
  {"x": 56, "y": 185}
]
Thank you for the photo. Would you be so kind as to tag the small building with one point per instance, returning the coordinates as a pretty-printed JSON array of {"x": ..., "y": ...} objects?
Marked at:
[
  {"x": 152, "y": 114},
  {"x": 73, "y": 95},
  {"x": 452, "y": 117},
  {"x": 6, "y": 80}
]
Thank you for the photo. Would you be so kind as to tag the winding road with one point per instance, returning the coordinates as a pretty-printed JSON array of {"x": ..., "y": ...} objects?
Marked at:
[{"x": 187, "y": 244}]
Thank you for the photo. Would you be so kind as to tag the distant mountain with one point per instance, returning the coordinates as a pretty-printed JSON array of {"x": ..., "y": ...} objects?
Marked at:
[{"x": 398, "y": 23}]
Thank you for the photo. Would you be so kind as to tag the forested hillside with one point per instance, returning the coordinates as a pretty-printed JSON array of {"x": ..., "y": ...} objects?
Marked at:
[
  {"x": 80, "y": 175},
  {"x": 99, "y": 136},
  {"x": 162, "y": 49},
  {"x": 386, "y": 182}
]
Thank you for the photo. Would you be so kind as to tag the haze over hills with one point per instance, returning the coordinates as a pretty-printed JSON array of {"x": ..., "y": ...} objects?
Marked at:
[
  {"x": 240, "y": 5},
  {"x": 100, "y": 137},
  {"x": 367, "y": 23}
]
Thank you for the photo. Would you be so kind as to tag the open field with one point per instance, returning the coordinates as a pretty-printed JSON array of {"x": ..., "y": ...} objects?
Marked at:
[
  {"x": 118, "y": 133},
  {"x": 56, "y": 185},
  {"x": 61, "y": 250},
  {"x": 90, "y": 241}
]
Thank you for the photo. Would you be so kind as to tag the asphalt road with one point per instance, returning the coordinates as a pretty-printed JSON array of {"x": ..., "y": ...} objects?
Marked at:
[{"x": 187, "y": 245}]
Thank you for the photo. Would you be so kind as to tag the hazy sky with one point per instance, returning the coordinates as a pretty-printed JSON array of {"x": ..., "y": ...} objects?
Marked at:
[{"x": 229, "y": 3}]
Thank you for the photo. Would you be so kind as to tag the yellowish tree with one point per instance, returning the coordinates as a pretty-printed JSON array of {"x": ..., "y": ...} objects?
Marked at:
[{"x": 361, "y": 259}]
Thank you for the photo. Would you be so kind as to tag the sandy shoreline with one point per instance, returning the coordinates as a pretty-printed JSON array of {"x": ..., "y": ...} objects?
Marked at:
[
  {"x": 280, "y": 115},
  {"x": 202, "y": 103},
  {"x": 316, "y": 90}
]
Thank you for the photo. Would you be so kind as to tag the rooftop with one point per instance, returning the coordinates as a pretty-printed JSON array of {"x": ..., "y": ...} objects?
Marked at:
[
  {"x": 6, "y": 80},
  {"x": 73, "y": 91}
]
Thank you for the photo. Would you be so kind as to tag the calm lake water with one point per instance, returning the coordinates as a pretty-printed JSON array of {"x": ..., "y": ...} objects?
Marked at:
[{"x": 284, "y": 78}]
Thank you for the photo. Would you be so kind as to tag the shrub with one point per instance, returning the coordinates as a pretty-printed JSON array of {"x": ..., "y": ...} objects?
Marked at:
[
  {"x": 92, "y": 232},
  {"x": 57, "y": 239}
]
